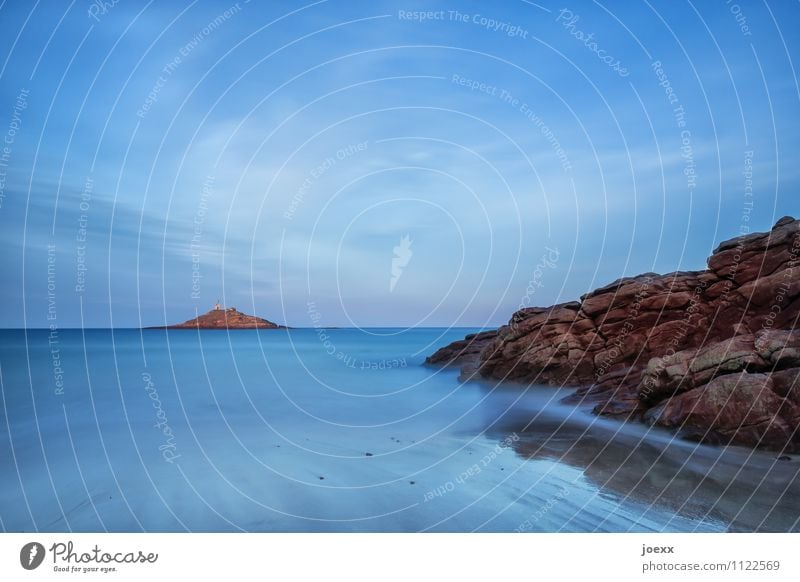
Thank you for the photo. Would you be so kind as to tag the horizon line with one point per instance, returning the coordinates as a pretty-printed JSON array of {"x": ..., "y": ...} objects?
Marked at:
[{"x": 289, "y": 327}]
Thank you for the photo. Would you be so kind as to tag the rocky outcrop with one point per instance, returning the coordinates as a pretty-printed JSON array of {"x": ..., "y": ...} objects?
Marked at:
[
  {"x": 229, "y": 318},
  {"x": 712, "y": 353},
  {"x": 463, "y": 353}
]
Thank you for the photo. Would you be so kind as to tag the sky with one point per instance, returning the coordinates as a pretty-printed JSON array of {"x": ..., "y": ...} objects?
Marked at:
[{"x": 376, "y": 163}]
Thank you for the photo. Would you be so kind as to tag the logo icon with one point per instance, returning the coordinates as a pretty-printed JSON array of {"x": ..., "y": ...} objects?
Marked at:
[
  {"x": 31, "y": 555},
  {"x": 402, "y": 255}
]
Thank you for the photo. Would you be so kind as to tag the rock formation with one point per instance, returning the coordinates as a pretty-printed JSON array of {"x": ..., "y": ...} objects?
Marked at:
[
  {"x": 464, "y": 353},
  {"x": 229, "y": 318},
  {"x": 713, "y": 354}
]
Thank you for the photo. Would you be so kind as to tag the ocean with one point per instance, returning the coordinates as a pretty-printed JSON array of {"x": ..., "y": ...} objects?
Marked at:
[{"x": 310, "y": 430}]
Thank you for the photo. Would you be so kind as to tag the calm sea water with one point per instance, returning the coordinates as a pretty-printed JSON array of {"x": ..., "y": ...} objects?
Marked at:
[{"x": 337, "y": 430}]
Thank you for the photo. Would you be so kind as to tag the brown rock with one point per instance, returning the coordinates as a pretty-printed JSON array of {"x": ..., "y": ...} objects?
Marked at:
[
  {"x": 735, "y": 408},
  {"x": 463, "y": 351},
  {"x": 674, "y": 346}
]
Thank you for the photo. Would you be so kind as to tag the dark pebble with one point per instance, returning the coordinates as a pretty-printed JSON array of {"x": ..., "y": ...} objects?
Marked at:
[
  {"x": 322, "y": 478},
  {"x": 369, "y": 454},
  {"x": 413, "y": 482},
  {"x": 784, "y": 458}
]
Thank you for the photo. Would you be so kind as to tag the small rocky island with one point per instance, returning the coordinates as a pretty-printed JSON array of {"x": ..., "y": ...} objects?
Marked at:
[
  {"x": 219, "y": 318},
  {"x": 712, "y": 354}
]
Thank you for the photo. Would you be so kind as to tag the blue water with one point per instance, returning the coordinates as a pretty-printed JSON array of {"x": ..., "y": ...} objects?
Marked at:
[{"x": 337, "y": 430}]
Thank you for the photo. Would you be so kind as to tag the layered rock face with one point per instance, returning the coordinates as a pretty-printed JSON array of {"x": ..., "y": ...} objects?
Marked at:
[{"x": 713, "y": 353}]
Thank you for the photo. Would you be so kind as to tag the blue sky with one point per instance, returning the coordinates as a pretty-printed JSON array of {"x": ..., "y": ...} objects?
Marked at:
[{"x": 275, "y": 154}]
